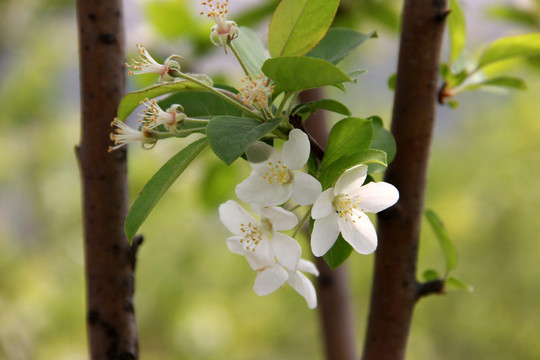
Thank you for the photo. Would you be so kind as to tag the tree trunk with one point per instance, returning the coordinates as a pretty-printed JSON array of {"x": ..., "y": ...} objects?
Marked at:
[
  {"x": 109, "y": 259},
  {"x": 395, "y": 288}
]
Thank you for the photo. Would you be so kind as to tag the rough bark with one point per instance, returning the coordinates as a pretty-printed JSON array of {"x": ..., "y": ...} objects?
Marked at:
[
  {"x": 335, "y": 306},
  {"x": 109, "y": 260},
  {"x": 395, "y": 288}
]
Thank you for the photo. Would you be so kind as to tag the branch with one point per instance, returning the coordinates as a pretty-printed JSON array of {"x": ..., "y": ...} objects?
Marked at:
[
  {"x": 112, "y": 333},
  {"x": 394, "y": 292}
]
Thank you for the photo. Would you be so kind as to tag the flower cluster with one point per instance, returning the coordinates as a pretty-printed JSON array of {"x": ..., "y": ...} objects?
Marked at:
[
  {"x": 256, "y": 91},
  {"x": 224, "y": 30},
  {"x": 276, "y": 257}
]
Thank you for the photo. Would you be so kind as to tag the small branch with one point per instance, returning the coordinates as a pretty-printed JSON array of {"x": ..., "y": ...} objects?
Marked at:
[{"x": 430, "y": 288}]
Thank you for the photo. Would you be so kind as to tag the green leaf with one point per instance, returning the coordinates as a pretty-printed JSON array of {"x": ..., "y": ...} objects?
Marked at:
[
  {"x": 502, "y": 81},
  {"x": 453, "y": 283},
  {"x": 294, "y": 73},
  {"x": 392, "y": 82},
  {"x": 510, "y": 13},
  {"x": 526, "y": 45},
  {"x": 448, "y": 249},
  {"x": 229, "y": 136},
  {"x": 338, "y": 43},
  {"x": 457, "y": 30},
  {"x": 357, "y": 74},
  {"x": 201, "y": 104},
  {"x": 159, "y": 184},
  {"x": 133, "y": 99},
  {"x": 346, "y": 137},
  {"x": 298, "y": 25},
  {"x": 338, "y": 253},
  {"x": 252, "y": 50},
  {"x": 324, "y": 104},
  {"x": 430, "y": 275},
  {"x": 382, "y": 140},
  {"x": 329, "y": 174}
]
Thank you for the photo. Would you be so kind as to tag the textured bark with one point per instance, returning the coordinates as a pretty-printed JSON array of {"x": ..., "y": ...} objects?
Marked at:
[
  {"x": 109, "y": 259},
  {"x": 335, "y": 307},
  {"x": 395, "y": 288}
]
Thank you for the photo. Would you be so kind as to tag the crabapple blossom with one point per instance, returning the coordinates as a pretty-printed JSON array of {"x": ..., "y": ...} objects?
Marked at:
[
  {"x": 223, "y": 30},
  {"x": 147, "y": 65},
  {"x": 124, "y": 135},
  {"x": 343, "y": 207},
  {"x": 273, "y": 180}
]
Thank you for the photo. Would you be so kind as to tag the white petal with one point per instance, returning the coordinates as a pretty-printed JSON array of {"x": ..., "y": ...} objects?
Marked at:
[
  {"x": 304, "y": 287},
  {"x": 308, "y": 266},
  {"x": 262, "y": 257},
  {"x": 360, "y": 234},
  {"x": 233, "y": 215},
  {"x": 286, "y": 250},
  {"x": 234, "y": 245},
  {"x": 305, "y": 189},
  {"x": 257, "y": 190},
  {"x": 269, "y": 280},
  {"x": 323, "y": 205},
  {"x": 280, "y": 218},
  {"x": 324, "y": 234},
  {"x": 375, "y": 197},
  {"x": 295, "y": 151},
  {"x": 258, "y": 155},
  {"x": 351, "y": 179}
]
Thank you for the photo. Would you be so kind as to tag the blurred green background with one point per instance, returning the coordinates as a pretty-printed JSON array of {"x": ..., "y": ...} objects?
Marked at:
[{"x": 194, "y": 298}]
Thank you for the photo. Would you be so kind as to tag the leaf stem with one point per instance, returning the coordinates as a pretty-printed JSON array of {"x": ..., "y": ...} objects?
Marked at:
[
  {"x": 238, "y": 57},
  {"x": 301, "y": 222}
]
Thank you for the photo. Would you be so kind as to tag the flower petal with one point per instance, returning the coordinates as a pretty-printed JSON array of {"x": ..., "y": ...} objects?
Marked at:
[
  {"x": 280, "y": 218},
  {"x": 259, "y": 154},
  {"x": 305, "y": 189},
  {"x": 360, "y": 234},
  {"x": 269, "y": 280},
  {"x": 375, "y": 197},
  {"x": 323, "y": 205},
  {"x": 257, "y": 190},
  {"x": 351, "y": 179},
  {"x": 304, "y": 287},
  {"x": 233, "y": 216},
  {"x": 262, "y": 257},
  {"x": 308, "y": 266},
  {"x": 295, "y": 151},
  {"x": 324, "y": 234},
  {"x": 286, "y": 250},
  {"x": 234, "y": 244}
]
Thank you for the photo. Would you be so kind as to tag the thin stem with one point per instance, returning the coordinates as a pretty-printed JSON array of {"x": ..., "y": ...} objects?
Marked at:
[
  {"x": 301, "y": 222},
  {"x": 190, "y": 120},
  {"x": 217, "y": 92},
  {"x": 282, "y": 103},
  {"x": 238, "y": 57}
]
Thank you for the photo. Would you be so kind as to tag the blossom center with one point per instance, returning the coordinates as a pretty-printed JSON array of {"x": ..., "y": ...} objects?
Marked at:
[
  {"x": 346, "y": 206},
  {"x": 251, "y": 235},
  {"x": 277, "y": 173}
]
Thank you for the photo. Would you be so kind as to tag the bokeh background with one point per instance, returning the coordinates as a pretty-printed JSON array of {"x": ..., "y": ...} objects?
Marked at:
[{"x": 194, "y": 298}]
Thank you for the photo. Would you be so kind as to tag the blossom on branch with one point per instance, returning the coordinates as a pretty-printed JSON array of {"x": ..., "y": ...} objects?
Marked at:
[
  {"x": 343, "y": 209},
  {"x": 273, "y": 180},
  {"x": 154, "y": 116},
  {"x": 223, "y": 30},
  {"x": 124, "y": 135},
  {"x": 147, "y": 65},
  {"x": 256, "y": 91}
]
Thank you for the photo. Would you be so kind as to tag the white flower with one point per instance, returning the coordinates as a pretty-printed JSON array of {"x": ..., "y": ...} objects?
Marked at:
[
  {"x": 124, "y": 135},
  {"x": 223, "y": 29},
  {"x": 255, "y": 91},
  {"x": 147, "y": 64},
  {"x": 342, "y": 209},
  {"x": 272, "y": 181},
  {"x": 272, "y": 278},
  {"x": 154, "y": 116},
  {"x": 260, "y": 241}
]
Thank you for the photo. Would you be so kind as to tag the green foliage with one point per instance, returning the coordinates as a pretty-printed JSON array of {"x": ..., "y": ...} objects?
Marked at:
[
  {"x": 230, "y": 136},
  {"x": 172, "y": 18},
  {"x": 338, "y": 43},
  {"x": 526, "y": 45},
  {"x": 201, "y": 104},
  {"x": 453, "y": 283},
  {"x": 295, "y": 73},
  {"x": 159, "y": 184},
  {"x": 447, "y": 247},
  {"x": 528, "y": 17},
  {"x": 340, "y": 251},
  {"x": 323, "y": 104},
  {"x": 382, "y": 140},
  {"x": 133, "y": 99},
  {"x": 456, "y": 29},
  {"x": 251, "y": 50},
  {"x": 298, "y": 25},
  {"x": 502, "y": 81}
]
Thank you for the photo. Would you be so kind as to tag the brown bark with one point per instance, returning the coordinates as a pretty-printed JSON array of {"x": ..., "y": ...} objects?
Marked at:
[
  {"x": 335, "y": 306},
  {"x": 109, "y": 260},
  {"x": 395, "y": 288}
]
